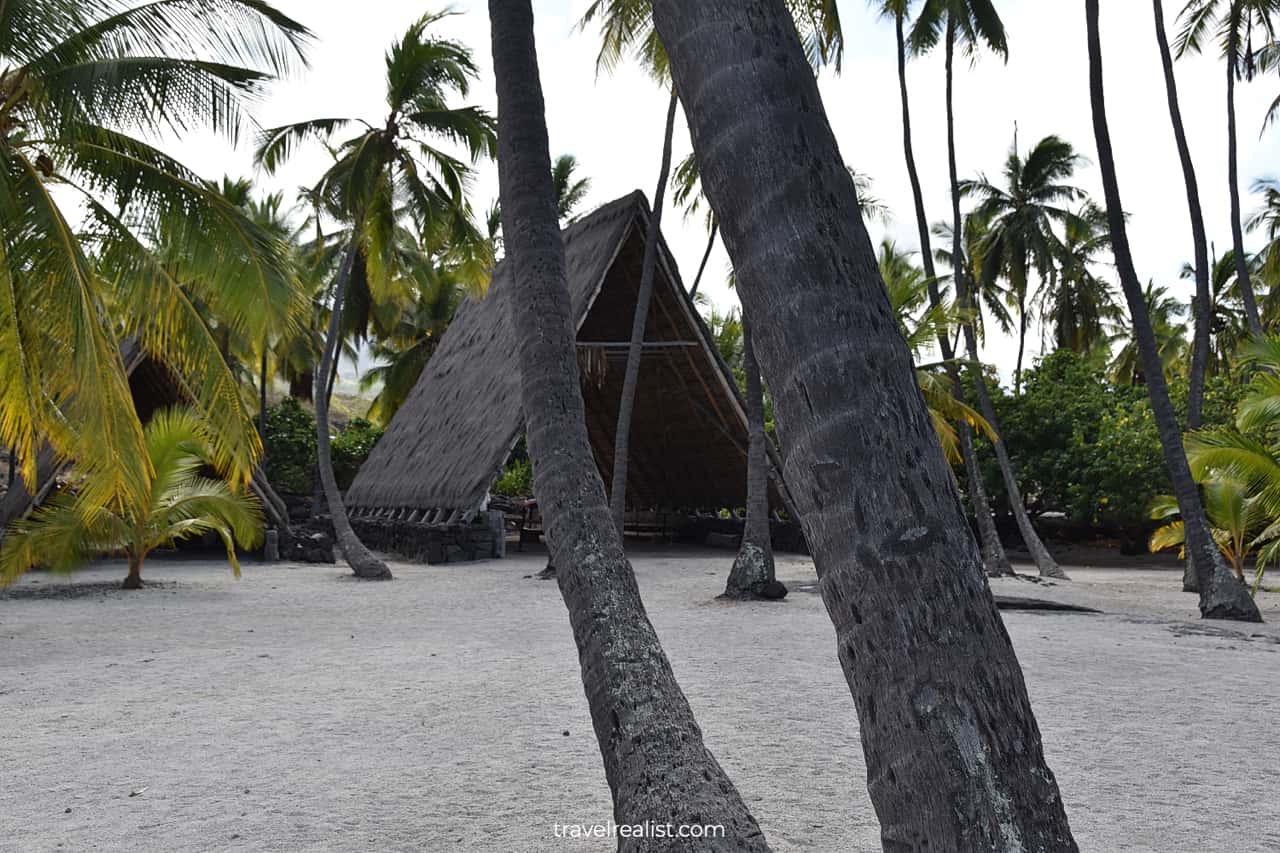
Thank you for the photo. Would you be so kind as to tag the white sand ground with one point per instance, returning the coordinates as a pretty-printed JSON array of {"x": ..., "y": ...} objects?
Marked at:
[{"x": 299, "y": 710}]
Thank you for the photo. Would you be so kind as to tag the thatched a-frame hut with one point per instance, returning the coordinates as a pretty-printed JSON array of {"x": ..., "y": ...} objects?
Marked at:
[{"x": 448, "y": 443}]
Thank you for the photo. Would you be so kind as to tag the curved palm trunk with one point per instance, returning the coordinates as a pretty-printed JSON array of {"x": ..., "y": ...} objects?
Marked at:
[
  {"x": 362, "y": 561},
  {"x": 753, "y": 570},
  {"x": 1045, "y": 564},
  {"x": 706, "y": 256},
  {"x": 654, "y": 759},
  {"x": 1221, "y": 595},
  {"x": 993, "y": 555},
  {"x": 953, "y": 752},
  {"x": 1200, "y": 303},
  {"x": 626, "y": 407},
  {"x": 1233, "y": 178}
]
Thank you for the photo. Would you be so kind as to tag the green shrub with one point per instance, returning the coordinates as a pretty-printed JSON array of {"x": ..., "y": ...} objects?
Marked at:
[
  {"x": 351, "y": 447},
  {"x": 290, "y": 447},
  {"x": 516, "y": 480}
]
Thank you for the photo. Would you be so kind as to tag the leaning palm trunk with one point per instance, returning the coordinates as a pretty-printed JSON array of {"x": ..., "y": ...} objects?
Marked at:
[
  {"x": 1200, "y": 303},
  {"x": 993, "y": 555},
  {"x": 1221, "y": 595},
  {"x": 631, "y": 379},
  {"x": 1047, "y": 566},
  {"x": 706, "y": 256},
  {"x": 952, "y": 748},
  {"x": 753, "y": 570},
  {"x": 362, "y": 561},
  {"x": 1233, "y": 178},
  {"x": 654, "y": 759}
]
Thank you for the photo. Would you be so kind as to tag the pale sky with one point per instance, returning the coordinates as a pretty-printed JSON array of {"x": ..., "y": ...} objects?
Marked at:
[{"x": 613, "y": 122}]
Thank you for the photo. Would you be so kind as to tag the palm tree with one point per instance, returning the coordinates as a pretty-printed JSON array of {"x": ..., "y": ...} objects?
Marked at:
[
  {"x": 923, "y": 325},
  {"x": 1221, "y": 595},
  {"x": 1248, "y": 455},
  {"x": 875, "y": 495},
  {"x": 403, "y": 352},
  {"x": 570, "y": 190},
  {"x": 82, "y": 85},
  {"x": 1077, "y": 304},
  {"x": 381, "y": 177},
  {"x": 969, "y": 24},
  {"x": 1021, "y": 216},
  {"x": 654, "y": 757},
  {"x": 1228, "y": 329},
  {"x": 1200, "y": 302},
  {"x": 993, "y": 554},
  {"x": 1267, "y": 220},
  {"x": 1164, "y": 313},
  {"x": 687, "y": 193},
  {"x": 1235, "y": 520},
  {"x": 177, "y": 504},
  {"x": 1235, "y": 23}
]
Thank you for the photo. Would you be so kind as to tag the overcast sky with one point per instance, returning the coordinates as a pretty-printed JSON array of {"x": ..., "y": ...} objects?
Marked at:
[{"x": 613, "y": 122}]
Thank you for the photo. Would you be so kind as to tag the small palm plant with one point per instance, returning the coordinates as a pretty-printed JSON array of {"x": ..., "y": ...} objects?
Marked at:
[
  {"x": 1236, "y": 518},
  {"x": 178, "y": 504}
]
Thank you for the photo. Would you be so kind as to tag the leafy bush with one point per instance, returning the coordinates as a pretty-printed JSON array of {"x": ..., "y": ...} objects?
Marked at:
[
  {"x": 351, "y": 447},
  {"x": 290, "y": 446},
  {"x": 516, "y": 480},
  {"x": 1086, "y": 447}
]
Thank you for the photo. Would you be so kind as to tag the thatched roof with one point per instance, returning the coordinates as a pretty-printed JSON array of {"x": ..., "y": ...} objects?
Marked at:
[{"x": 447, "y": 444}]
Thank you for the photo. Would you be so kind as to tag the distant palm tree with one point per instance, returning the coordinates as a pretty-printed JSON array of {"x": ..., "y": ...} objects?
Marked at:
[
  {"x": 989, "y": 296},
  {"x": 1266, "y": 219},
  {"x": 1228, "y": 329},
  {"x": 402, "y": 354},
  {"x": 83, "y": 83},
  {"x": 570, "y": 189},
  {"x": 1166, "y": 315},
  {"x": 177, "y": 504},
  {"x": 1199, "y": 242},
  {"x": 1021, "y": 216},
  {"x": 381, "y": 178},
  {"x": 1221, "y": 595},
  {"x": 1236, "y": 23},
  {"x": 1076, "y": 303},
  {"x": 970, "y": 25}
]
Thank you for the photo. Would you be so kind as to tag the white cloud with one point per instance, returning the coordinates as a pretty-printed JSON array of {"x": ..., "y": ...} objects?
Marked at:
[{"x": 614, "y": 123}]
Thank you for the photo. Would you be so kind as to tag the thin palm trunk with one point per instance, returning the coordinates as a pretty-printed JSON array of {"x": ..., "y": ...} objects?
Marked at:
[
  {"x": 993, "y": 555},
  {"x": 133, "y": 580},
  {"x": 953, "y": 752},
  {"x": 1233, "y": 179},
  {"x": 1221, "y": 595},
  {"x": 654, "y": 758},
  {"x": 631, "y": 379},
  {"x": 362, "y": 561},
  {"x": 753, "y": 569},
  {"x": 1045, "y": 564},
  {"x": 1200, "y": 244},
  {"x": 262, "y": 396},
  {"x": 1022, "y": 339},
  {"x": 706, "y": 256}
]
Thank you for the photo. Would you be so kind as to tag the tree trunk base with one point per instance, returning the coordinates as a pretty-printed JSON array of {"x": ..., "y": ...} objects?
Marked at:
[
  {"x": 1229, "y": 599},
  {"x": 132, "y": 581},
  {"x": 547, "y": 574},
  {"x": 1051, "y": 569},
  {"x": 770, "y": 591},
  {"x": 367, "y": 567},
  {"x": 1190, "y": 580}
]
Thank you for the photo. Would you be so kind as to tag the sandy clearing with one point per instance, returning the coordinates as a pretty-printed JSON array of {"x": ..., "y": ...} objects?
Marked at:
[{"x": 299, "y": 710}]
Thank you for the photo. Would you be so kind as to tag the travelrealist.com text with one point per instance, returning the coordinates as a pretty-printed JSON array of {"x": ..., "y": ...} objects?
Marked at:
[{"x": 648, "y": 829}]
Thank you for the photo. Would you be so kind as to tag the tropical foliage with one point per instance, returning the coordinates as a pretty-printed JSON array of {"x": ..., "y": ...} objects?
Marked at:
[
  {"x": 105, "y": 238},
  {"x": 178, "y": 503}
]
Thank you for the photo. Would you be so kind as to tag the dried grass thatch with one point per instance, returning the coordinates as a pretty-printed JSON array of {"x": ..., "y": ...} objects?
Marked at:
[{"x": 447, "y": 444}]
